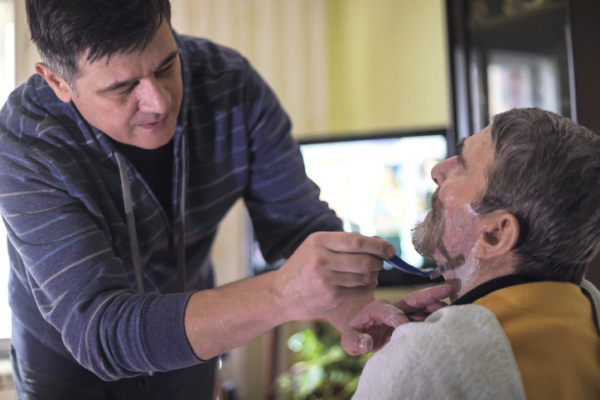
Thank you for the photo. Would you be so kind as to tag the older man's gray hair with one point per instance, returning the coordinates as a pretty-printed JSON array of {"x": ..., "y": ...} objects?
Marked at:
[{"x": 546, "y": 171}]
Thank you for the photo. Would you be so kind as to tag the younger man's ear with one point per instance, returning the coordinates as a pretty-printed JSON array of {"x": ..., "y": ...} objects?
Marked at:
[
  {"x": 61, "y": 88},
  {"x": 499, "y": 237}
]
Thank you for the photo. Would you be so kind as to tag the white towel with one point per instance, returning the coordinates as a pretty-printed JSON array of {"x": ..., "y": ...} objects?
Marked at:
[{"x": 459, "y": 352}]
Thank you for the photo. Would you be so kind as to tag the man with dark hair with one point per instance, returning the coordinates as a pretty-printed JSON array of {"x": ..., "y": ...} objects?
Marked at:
[
  {"x": 119, "y": 159},
  {"x": 515, "y": 220}
]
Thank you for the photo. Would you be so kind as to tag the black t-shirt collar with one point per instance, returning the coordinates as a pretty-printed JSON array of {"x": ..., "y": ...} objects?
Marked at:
[{"x": 495, "y": 284}]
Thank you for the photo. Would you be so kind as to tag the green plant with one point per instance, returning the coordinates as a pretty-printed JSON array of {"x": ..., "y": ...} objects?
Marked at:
[{"x": 321, "y": 369}]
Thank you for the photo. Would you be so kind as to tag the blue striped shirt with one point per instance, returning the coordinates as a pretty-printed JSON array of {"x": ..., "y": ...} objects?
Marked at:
[{"x": 72, "y": 283}]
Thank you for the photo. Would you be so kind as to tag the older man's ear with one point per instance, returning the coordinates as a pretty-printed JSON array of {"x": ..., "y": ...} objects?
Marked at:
[{"x": 499, "y": 237}]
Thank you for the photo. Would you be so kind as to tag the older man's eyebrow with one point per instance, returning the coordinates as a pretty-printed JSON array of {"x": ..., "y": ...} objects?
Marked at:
[
  {"x": 459, "y": 152},
  {"x": 122, "y": 84}
]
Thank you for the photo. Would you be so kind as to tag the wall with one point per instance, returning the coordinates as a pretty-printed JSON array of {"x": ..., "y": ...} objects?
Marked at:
[
  {"x": 26, "y": 54},
  {"x": 338, "y": 66},
  {"x": 284, "y": 40},
  {"x": 386, "y": 65}
]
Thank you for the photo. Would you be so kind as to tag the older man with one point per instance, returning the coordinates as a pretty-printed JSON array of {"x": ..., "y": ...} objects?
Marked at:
[{"x": 514, "y": 222}]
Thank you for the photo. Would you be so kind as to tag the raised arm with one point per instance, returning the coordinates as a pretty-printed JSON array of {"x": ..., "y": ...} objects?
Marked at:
[{"x": 328, "y": 269}]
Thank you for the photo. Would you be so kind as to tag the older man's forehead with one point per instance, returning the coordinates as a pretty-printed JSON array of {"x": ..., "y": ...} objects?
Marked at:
[
  {"x": 483, "y": 138},
  {"x": 476, "y": 151}
]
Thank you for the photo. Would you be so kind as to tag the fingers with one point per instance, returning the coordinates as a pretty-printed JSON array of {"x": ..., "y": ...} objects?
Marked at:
[
  {"x": 372, "y": 327},
  {"x": 434, "y": 307},
  {"x": 356, "y": 343},
  {"x": 345, "y": 242},
  {"x": 379, "y": 312},
  {"x": 346, "y": 262},
  {"x": 347, "y": 293},
  {"x": 423, "y": 299},
  {"x": 350, "y": 280},
  {"x": 327, "y": 269},
  {"x": 346, "y": 252}
]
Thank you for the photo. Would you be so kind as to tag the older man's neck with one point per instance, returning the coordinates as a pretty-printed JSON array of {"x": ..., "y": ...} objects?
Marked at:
[{"x": 469, "y": 276}]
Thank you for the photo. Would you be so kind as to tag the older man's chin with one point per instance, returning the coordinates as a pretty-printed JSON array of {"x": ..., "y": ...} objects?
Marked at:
[
  {"x": 426, "y": 238},
  {"x": 419, "y": 239},
  {"x": 426, "y": 235}
]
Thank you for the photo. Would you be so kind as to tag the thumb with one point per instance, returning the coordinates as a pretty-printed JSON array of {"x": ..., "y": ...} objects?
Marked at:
[
  {"x": 394, "y": 317},
  {"x": 356, "y": 343}
]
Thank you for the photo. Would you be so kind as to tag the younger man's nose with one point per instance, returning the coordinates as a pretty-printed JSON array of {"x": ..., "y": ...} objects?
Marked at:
[{"x": 152, "y": 97}]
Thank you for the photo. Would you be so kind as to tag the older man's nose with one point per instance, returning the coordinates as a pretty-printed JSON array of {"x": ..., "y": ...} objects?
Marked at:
[
  {"x": 440, "y": 172},
  {"x": 437, "y": 174}
]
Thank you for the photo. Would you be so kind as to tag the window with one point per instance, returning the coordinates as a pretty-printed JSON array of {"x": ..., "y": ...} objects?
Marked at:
[{"x": 7, "y": 85}]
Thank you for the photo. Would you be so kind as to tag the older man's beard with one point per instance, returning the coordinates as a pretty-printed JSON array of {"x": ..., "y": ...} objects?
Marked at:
[{"x": 428, "y": 236}]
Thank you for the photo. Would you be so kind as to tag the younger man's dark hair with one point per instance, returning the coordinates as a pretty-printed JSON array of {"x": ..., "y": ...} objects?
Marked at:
[{"x": 64, "y": 31}]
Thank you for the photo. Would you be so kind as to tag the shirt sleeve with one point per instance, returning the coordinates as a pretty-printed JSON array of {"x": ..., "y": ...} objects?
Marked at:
[{"x": 282, "y": 201}]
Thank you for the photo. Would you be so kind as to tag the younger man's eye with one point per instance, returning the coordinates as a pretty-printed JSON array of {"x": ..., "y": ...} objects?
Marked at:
[
  {"x": 164, "y": 70},
  {"x": 128, "y": 90}
]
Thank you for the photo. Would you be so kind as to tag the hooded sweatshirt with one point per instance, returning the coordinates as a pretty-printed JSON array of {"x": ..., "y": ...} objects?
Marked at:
[{"x": 100, "y": 274}]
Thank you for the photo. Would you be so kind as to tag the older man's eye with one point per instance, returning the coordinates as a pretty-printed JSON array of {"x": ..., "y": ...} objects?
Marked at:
[{"x": 459, "y": 153}]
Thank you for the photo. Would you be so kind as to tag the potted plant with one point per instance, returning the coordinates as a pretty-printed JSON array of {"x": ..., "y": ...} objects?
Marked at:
[{"x": 321, "y": 368}]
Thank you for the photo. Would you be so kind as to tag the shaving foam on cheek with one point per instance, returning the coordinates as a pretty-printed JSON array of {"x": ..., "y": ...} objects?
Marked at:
[
  {"x": 470, "y": 210},
  {"x": 463, "y": 277},
  {"x": 468, "y": 271},
  {"x": 447, "y": 218},
  {"x": 468, "y": 217},
  {"x": 459, "y": 235}
]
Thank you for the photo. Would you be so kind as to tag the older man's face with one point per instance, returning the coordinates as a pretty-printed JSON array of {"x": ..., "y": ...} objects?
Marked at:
[{"x": 450, "y": 229}]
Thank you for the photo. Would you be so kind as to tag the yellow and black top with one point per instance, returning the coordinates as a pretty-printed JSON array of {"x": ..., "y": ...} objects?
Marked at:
[{"x": 553, "y": 330}]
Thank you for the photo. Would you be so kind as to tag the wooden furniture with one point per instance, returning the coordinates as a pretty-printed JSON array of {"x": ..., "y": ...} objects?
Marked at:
[{"x": 560, "y": 35}]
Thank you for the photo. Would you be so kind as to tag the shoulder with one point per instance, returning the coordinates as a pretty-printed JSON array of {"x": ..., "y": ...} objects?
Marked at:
[
  {"x": 457, "y": 320},
  {"x": 447, "y": 331},
  {"x": 211, "y": 58},
  {"x": 458, "y": 352},
  {"x": 219, "y": 81},
  {"x": 216, "y": 79},
  {"x": 35, "y": 124},
  {"x": 33, "y": 109}
]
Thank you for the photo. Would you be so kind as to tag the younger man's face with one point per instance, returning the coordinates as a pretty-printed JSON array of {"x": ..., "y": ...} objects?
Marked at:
[{"x": 135, "y": 97}]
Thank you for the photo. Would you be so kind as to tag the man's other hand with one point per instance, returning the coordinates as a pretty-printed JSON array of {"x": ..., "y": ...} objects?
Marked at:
[
  {"x": 327, "y": 269},
  {"x": 372, "y": 327}
]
